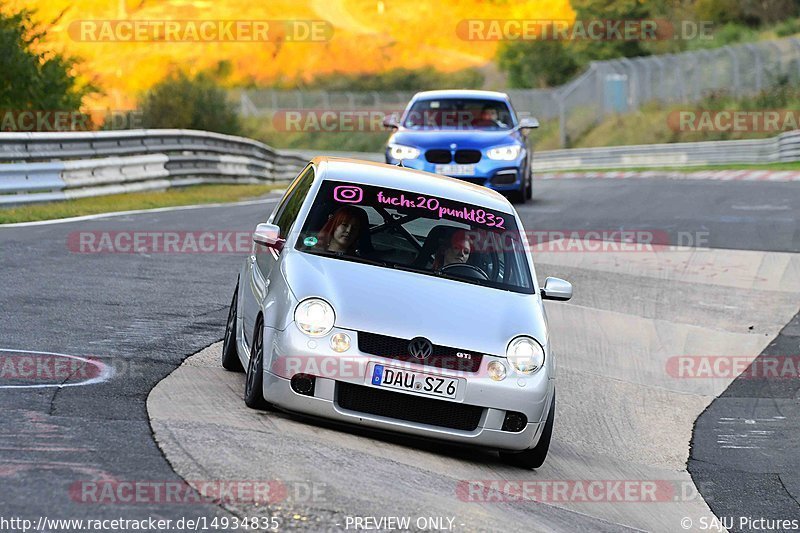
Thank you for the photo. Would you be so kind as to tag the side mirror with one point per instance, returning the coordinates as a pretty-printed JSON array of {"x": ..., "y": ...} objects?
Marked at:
[
  {"x": 528, "y": 123},
  {"x": 268, "y": 235},
  {"x": 391, "y": 121},
  {"x": 556, "y": 289}
]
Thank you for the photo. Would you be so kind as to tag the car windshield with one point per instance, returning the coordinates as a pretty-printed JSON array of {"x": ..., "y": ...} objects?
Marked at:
[
  {"x": 459, "y": 113},
  {"x": 432, "y": 236}
]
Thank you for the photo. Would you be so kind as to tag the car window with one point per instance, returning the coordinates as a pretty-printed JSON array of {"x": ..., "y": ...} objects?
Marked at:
[
  {"x": 433, "y": 236},
  {"x": 459, "y": 113},
  {"x": 296, "y": 195}
]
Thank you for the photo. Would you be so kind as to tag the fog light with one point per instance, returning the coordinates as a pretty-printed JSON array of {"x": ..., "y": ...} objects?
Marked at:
[
  {"x": 514, "y": 421},
  {"x": 340, "y": 342},
  {"x": 303, "y": 384},
  {"x": 497, "y": 370}
]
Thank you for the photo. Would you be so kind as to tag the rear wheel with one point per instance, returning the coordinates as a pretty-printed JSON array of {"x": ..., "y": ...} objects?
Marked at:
[
  {"x": 534, "y": 457},
  {"x": 230, "y": 354},
  {"x": 254, "y": 384}
]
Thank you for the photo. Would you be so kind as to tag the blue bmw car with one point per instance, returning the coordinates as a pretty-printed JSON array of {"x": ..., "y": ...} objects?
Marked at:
[{"x": 470, "y": 135}]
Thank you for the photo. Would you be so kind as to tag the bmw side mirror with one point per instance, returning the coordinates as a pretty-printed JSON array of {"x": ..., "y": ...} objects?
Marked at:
[
  {"x": 556, "y": 289},
  {"x": 528, "y": 123},
  {"x": 391, "y": 121},
  {"x": 268, "y": 235}
]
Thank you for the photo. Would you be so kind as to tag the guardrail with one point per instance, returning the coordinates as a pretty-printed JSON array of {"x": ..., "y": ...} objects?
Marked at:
[
  {"x": 42, "y": 167},
  {"x": 783, "y": 148}
]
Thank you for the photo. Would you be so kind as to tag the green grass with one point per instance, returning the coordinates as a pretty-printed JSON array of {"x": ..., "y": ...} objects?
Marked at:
[
  {"x": 766, "y": 166},
  {"x": 197, "y": 194}
]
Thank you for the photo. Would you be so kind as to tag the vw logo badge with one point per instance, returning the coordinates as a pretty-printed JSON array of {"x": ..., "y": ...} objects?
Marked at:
[{"x": 420, "y": 347}]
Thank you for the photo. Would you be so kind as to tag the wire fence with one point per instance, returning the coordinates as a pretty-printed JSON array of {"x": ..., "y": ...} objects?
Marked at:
[{"x": 605, "y": 88}]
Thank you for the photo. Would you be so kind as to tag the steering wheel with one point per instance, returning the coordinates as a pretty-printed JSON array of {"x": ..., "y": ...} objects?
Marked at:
[{"x": 470, "y": 271}]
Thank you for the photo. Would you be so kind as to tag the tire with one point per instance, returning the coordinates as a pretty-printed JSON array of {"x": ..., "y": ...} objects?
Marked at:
[
  {"x": 230, "y": 353},
  {"x": 520, "y": 195},
  {"x": 254, "y": 383},
  {"x": 534, "y": 457},
  {"x": 529, "y": 189}
]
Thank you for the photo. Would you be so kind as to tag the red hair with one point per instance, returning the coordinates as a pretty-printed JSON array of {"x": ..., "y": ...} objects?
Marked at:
[
  {"x": 458, "y": 237},
  {"x": 340, "y": 216}
]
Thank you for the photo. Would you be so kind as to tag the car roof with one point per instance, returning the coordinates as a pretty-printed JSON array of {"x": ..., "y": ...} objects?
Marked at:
[
  {"x": 416, "y": 181},
  {"x": 461, "y": 93}
]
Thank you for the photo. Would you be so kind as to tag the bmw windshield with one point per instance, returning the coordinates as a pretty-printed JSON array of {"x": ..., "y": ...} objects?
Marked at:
[
  {"x": 459, "y": 113},
  {"x": 432, "y": 236}
]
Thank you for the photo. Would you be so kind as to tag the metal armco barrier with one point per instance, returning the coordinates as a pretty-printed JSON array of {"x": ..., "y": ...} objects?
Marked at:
[
  {"x": 44, "y": 167},
  {"x": 783, "y": 148}
]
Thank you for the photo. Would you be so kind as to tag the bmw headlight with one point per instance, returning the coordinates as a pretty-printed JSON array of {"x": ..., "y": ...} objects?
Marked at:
[
  {"x": 525, "y": 355},
  {"x": 504, "y": 153},
  {"x": 399, "y": 151},
  {"x": 314, "y": 317}
]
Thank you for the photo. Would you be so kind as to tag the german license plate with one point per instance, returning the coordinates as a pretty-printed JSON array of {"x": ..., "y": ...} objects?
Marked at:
[
  {"x": 409, "y": 380},
  {"x": 455, "y": 170}
]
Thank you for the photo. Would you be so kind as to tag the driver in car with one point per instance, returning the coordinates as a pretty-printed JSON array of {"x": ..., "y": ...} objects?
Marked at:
[
  {"x": 340, "y": 233},
  {"x": 455, "y": 251}
]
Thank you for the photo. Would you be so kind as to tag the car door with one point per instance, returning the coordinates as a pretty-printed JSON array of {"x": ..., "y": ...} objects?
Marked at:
[{"x": 263, "y": 258}]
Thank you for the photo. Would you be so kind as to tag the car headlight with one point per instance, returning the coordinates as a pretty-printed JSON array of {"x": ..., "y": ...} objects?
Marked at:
[
  {"x": 504, "y": 153},
  {"x": 399, "y": 151},
  {"x": 525, "y": 355},
  {"x": 314, "y": 317}
]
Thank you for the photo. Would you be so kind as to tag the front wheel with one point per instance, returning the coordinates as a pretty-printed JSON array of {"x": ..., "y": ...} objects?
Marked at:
[
  {"x": 253, "y": 386},
  {"x": 529, "y": 189},
  {"x": 230, "y": 354},
  {"x": 520, "y": 195},
  {"x": 534, "y": 457}
]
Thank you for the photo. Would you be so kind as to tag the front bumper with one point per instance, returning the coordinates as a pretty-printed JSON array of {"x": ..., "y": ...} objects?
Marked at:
[
  {"x": 501, "y": 176},
  {"x": 530, "y": 395}
]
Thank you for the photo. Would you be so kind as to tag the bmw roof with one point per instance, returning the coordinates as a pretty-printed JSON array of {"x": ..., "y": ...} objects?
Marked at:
[
  {"x": 416, "y": 181},
  {"x": 461, "y": 93}
]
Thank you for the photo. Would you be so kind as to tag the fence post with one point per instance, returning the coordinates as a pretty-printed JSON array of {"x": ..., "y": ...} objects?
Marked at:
[
  {"x": 737, "y": 89},
  {"x": 562, "y": 121},
  {"x": 757, "y": 57}
]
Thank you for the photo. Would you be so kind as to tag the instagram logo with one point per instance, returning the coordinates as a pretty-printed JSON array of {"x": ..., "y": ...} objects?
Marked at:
[{"x": 348, "y": 194}]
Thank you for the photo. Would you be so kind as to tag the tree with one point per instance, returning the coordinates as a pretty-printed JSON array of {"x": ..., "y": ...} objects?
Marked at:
[
  {"x": 33, "y": 78},
  {"x": 536, "y": 63},
  {"x": 197, "y": 103}
]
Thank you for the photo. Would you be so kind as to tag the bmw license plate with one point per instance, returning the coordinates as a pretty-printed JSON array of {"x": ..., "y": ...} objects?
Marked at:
[
  {"x": 455, "y": 170},
  {"x": 396, "y": 378}
]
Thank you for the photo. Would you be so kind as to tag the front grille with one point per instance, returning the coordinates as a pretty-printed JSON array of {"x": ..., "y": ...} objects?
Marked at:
[
  {"x": 394, "y": 348},
  {"x": 408, "y": 407},
  {"x": 468, "y": 157},
  {"x": 441, "y": 157}
]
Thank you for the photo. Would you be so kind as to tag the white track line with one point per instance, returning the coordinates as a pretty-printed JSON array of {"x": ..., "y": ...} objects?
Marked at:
[{"x": 136, "y": 212}]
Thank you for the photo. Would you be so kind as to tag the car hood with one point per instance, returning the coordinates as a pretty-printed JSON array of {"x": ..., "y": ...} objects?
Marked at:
[
  {"x": 406, "y": 305},
  {"x": 471, "y": 139}
]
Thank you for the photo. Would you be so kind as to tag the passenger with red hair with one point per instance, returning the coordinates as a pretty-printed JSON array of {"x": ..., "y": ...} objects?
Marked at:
[
  {"x": 453, "y": 250},
  {"x": 340, "y": 233}
]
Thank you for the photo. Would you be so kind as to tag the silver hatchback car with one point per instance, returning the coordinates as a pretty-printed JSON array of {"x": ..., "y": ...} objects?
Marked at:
[{"x": 398, "y": 300}]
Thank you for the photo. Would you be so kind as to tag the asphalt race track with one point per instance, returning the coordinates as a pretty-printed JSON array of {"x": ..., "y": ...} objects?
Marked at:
[{"x": 623, "y": 413}]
